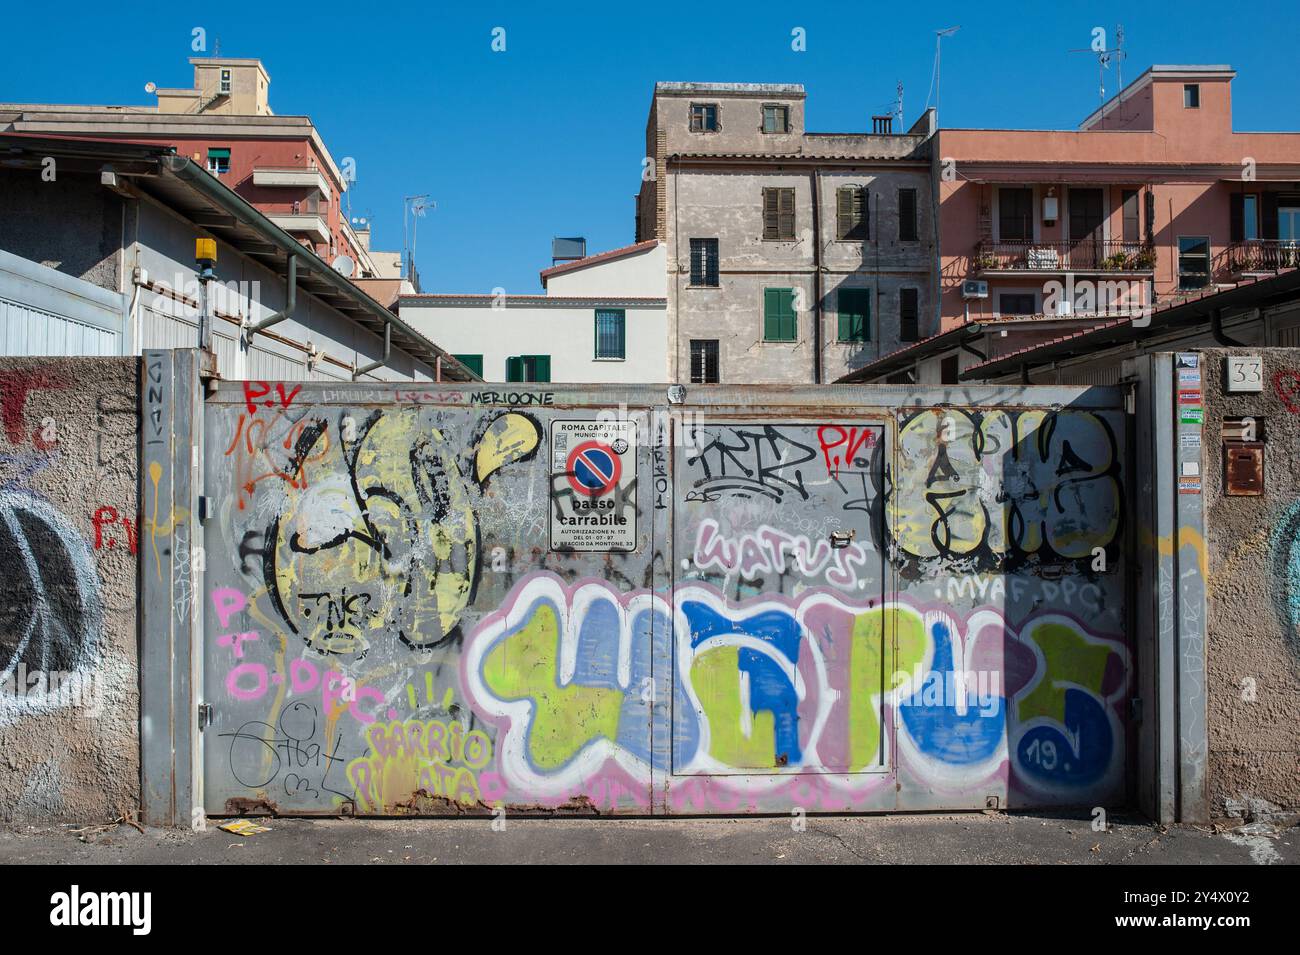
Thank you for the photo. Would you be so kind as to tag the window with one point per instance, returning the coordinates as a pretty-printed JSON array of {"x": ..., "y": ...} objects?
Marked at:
[
  {"x": 1193, "y": 262},
  {"x": 225, "y": 81},
  {"x": 1132, "y": 229},
  {"x": 704, "y": 263},
  {"x": 473, "y": 362},
  {"x": 1086, "y": 218},
  {"x": 1250, "y": 217},
  {"x": 218, "y": 161},
  {"x": 778, "y": 213},
  {"x": 704, "y": 361},
  {"x": 1015, "y": 215},
  {"x": 854, "y": 305},
  {"x": 776, "y": 118},
  {"x": 949, "y": 368},
  {"x": 1243, "y": 217},
  {"x": 528, "y": 368},
  {"x": 1017, "y": 303},
  {"x": 779, "y": 323},
  {"x": 851, "y": 213},
  {"x": 1191, "y": 96},
  {"x": 906, "y": 215},
  {"x": 610, "y": 335},
  {"x": 1288, "y": 222},
  {"x": 704, "y": 117},
  {"x": 909, "y": 315}
]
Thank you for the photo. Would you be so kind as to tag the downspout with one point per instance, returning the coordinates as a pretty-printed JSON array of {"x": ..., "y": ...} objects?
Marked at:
[
  {"x": 291, "y": 301},
  {"x": 388, "y": 349},
  {"x": 817, "y": 275},
  {"x": 1220, "y": 336}
]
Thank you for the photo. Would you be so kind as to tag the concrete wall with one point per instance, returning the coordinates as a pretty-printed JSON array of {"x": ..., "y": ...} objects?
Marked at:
[
  {"x": 1253, "y": 548},
  {"x": 71, "y": 224},
  {"x": 69, "y": 704}
]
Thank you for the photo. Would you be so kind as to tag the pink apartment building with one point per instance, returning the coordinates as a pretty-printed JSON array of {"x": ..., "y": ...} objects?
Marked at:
[{"x": 1153, "y": 197}]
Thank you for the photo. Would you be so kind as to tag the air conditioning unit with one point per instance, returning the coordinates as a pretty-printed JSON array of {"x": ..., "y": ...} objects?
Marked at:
[{"x": 973, "y": 288}]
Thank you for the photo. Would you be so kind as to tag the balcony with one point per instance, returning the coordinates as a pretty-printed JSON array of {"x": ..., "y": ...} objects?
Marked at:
[
  {"x": 1085, "y": 255},
  {"x": 297, "y": 176},
  {"x": 1261, "y": 256},
  {"x": 305, "y": 223}
]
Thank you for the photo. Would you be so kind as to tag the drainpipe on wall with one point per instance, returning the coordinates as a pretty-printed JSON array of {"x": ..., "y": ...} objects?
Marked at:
[
  {"x": 290, "y": 302},
  {"x": 388, "y": 350},
  {"x": 817, "y": 275}
]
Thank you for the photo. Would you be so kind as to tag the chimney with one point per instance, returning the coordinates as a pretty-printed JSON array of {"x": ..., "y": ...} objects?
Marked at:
[{"x": 882, "y": 125}]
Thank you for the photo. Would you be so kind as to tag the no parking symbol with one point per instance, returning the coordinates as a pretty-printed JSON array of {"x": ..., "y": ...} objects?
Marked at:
[{"x": 593, "y": 487}]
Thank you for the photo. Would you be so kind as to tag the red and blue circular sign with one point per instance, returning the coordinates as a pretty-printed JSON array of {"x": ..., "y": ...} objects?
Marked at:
[{"x": 594, "y": 468}]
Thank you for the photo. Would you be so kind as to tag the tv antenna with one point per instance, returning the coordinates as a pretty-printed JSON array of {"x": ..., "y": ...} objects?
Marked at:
[
  {"x": 934, "y": 76},
  {"x": 898, "y": 108},
  {"x": 1106, "y": 57}
]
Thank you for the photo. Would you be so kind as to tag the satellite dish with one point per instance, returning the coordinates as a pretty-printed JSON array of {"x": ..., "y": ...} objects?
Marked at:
[
  {"x": 151, "y": 87},
  {"x": 344, "y": 265}
]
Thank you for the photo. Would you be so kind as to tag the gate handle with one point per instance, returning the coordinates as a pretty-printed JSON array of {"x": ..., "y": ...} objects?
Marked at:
[{"x": 842, "y": 538}]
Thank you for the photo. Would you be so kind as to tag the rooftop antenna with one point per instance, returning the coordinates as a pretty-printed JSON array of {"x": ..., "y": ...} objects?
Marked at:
[
  {"x": 934, "y": 77},
  {"x": 1105, "y": 57},
  {"x": 898, "y": 109},
  {"x": 416, "y": 206}
]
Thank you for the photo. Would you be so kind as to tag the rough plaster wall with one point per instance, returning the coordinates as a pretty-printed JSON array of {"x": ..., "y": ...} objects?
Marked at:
[
  {"x": 68, "y": 499},
  {"x": 1254, "y": 597},
  {"x": 71, "y": 224}
]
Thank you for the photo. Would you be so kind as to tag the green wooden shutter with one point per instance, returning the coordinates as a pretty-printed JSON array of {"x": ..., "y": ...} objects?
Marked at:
[
  {"x": 541, "y": 368},
  {"x": 515, "y": 368},
  {"x": 473, "y": 362},
  {"x": 855, "y": 314},
  {"x": 779, "y": 321}
]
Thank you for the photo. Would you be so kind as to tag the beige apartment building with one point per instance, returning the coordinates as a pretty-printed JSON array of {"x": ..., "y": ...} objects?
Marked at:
[{"x": 792, "y": 257}]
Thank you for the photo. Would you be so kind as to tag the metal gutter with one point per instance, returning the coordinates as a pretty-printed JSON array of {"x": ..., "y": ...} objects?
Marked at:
[{"x": 202, "y": 182}]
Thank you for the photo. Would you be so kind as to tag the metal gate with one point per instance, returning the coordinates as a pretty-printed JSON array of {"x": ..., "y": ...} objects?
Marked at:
[{"x": 433, "y": 599}]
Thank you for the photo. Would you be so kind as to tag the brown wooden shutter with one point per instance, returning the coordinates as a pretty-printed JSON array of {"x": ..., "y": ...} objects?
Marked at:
[
  {"x": 1236, "y": 217},
  {"x": 770, "y": 214},
  {"x": 785, "y": 222},
  {"x": 1268, "y": 215},
  {"x": 844, "y": 211}
]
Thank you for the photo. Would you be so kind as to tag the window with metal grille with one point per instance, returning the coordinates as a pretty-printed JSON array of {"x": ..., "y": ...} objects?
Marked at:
[
  {"x": 778, "y": 213},
  {"x": 908, "y": 315},
  {"x": 776, "y": 118},
  {"x": 854, "y": 307},
  {"x": 704, "y": 361},
  {"x": 907, "y": 215},
  {"x": 779, "y": 320},
  {"x": 704, "y": 263},
  {"x": 610, "y": 332},
  {"x": 528, "y": 368},
  {"x": 704, "y": 117},
  {"x": 851, "y": 212}
]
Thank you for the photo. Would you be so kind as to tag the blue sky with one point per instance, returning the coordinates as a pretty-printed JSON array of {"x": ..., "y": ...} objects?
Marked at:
[{"x": 546, "y": 138}]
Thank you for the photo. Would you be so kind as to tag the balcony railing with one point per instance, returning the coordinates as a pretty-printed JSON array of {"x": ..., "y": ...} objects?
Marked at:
[
  {"x": 1085, "y": 255},
  {"x": 1262, "y": 255}
]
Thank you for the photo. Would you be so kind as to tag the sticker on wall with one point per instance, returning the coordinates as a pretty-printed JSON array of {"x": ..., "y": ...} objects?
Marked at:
[
  {"x": 593, "y": 486},
  {"x": 1187, "y": 415},
  {"x": 1188, "y": 360},
  {"x": 1189, "y": 485}
]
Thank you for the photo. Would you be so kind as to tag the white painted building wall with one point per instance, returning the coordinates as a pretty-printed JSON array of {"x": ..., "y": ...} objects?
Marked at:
[{"x": 561, "y": 323}]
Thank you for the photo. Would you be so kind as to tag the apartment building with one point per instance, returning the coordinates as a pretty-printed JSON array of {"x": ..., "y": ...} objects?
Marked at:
[
  {"x": 792, "y": 257},
  {"x": 1153, "y": 199},
  {"x": 224, "y": 123}
]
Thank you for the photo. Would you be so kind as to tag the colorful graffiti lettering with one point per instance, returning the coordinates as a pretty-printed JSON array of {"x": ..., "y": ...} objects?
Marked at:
[
  {"x": 777, "y": 687},
  {"x": 992, "y": 488},
  {"x": 429, "y": 758}
]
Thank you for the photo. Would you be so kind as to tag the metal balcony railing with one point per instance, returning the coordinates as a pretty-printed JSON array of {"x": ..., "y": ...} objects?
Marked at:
[
  {"x": 1262, "y": 255},
  {"x": 1084, "y": 255}
]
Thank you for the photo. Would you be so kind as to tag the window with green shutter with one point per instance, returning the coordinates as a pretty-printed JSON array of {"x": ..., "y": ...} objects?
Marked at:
[
  {"x": 779, "y": 323},
  {"x": 473, "y": 362},
  {"x": 524, "y": 368},
  {"x": 855, "y": 314}
]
